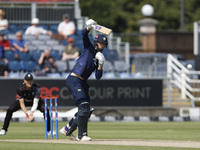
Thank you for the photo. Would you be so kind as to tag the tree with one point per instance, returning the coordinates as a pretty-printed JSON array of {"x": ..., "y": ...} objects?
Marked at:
[{"x": 122, "y": 15}]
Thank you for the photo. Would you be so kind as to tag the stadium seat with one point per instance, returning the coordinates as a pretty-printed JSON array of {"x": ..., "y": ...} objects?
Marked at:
[
  {"x": 43, "y": 47},
  {"x": 54, "y": 28},
  {"x": 64, "y": 42},
  {"x": 108, "y": 67},
  {"x": 13, "y": 74},
  {"x": 53, "y": 75},
  {"x": 61, "y": 66},
  {"x": 43, "y": 26},
  {"x": 78, "y": 45},
  {"x": 32, "y": 48},
  {"x": 71, "y": 64},
  {"x": 28, "y": 37},
  {"x": 37, "y": 42},
  {"x": 52, "y": 42},
  {"x": 24, "y": 56},
  {"x": 75, "y": 37},
  {"x": 59, "y": 48},
  {"x": 14, "y": 65},
  {"x": 44, "y": 37},
  {"x": 55, "y": 55},
  {"x": 13, "y": 28},
  {"x": 78, "y": 32},
  {"x": 24, "y": 27},
  {"x": 111, "y": 55},
  {"x": 30, "y": 66},
  {"x": 11, "y": 36},
  {"x": 10, "y": 55},
  {"x": 108, "y": 75},
  {"x": 120, "y": 66},
  {"x": 36, "y": 55}
]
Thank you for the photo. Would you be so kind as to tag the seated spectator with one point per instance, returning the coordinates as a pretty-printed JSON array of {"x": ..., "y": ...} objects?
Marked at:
[
  {"x": 19, "y": 44},
  {"x": 3, "y": 60},
  {"x": 35, "y": 30},
  {"x": 3, "y": 69},
  {"x": 1, "y": 52},
  {"x": 70, "y": 52},
  {"x": 5, "y": 45},
  {"x": 66, "y": 27},
  {"x": 47, "y": 62},
  {"x": 3, "y": 22}
]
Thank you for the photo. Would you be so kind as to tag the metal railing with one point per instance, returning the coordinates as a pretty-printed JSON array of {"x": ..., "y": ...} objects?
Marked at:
[
  {"x": 184, "y": 79},
  {"x": 48, "y": 13}
]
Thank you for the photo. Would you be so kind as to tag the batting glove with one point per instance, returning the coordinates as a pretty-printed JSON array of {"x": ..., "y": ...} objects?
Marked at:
[
  {"x": 90, "y": 22},
  {"x": 100, "y": 58}
]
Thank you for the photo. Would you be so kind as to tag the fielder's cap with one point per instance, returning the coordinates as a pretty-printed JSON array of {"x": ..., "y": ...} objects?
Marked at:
[
  {"x": 101, "y": 38},
  {"x": 28, "y": 76},
  {"x": 2, "y": 12},
  {"x": 35, "y": 21},
  {"x": 65, "y": 16},
  {"x": 70, "y": 40}
]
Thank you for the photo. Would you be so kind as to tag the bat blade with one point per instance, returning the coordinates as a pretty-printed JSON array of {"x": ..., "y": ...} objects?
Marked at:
[{"x": 102, "y": 29}]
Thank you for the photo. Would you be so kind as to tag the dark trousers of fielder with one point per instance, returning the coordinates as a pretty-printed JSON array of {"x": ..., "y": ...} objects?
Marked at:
[{"x": 15, "y": 106}]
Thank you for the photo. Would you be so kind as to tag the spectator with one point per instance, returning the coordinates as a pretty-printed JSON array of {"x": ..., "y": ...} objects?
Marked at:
[
  {"x": 5, "y": 44},
  {"x": 47, "y": 62},
  {"x": 3, "y": 69},
  {"x": 70, "y": 52},
  {"x": 35, "y": 30},
  {"x": 3, "y": 22},
  {"x": 3, "y": 60},
  {"x": 19, "y": 44},
  {"x": 66, "y": 27},
  {"x": 1, "y": 52}
]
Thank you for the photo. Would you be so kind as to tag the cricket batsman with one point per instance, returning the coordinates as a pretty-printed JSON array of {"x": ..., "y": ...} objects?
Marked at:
[{"x": 91, "y": 59}]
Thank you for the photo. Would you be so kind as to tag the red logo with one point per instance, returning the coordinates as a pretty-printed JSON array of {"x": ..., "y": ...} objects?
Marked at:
[{"x": 52, "y": 92}]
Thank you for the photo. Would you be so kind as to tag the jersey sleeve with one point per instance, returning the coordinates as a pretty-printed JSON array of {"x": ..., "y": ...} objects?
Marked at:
[
  {"x": 86, "y": 41},
  {"x": 98, "y": 74}
]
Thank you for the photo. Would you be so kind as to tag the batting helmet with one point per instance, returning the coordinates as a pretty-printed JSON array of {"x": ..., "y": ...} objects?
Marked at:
[{"x": 101, "y": 38}]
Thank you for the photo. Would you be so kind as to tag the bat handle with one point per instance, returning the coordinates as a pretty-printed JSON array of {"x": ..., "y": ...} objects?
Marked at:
[{"x": 93, "y": 26}]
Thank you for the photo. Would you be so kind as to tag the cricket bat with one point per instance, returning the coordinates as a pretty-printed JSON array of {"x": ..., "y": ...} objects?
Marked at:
[{"x": 102, "y": 29}]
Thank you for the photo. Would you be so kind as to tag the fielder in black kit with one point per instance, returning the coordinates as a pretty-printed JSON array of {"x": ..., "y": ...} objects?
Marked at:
[{"x": 28, "y": 96}]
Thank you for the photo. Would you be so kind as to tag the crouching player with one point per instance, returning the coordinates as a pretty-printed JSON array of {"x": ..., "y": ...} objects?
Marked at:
[
  {"x": 28, "y": 95},
  {"x": 91, "y": 59}
]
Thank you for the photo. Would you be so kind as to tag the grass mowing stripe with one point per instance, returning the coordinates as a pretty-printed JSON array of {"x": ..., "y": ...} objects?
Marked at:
[
  {"x": 179, "y": 131},
  {"x": 49, "y": 146}
]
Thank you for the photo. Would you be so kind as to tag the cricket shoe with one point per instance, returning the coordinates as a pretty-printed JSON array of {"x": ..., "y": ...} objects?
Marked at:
[
  {"x": 3, "y": 132},
  {"x": 84, "y": 138},
  {"x": 49, "y": 133},
  {"x": 64, "y": 132}
]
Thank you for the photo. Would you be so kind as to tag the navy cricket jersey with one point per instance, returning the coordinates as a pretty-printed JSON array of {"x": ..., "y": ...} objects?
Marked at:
[{"x": 87, "y": 62}]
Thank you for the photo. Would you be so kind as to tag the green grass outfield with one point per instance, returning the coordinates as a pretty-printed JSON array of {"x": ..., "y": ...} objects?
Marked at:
[{"x": 135, "y": 131}]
